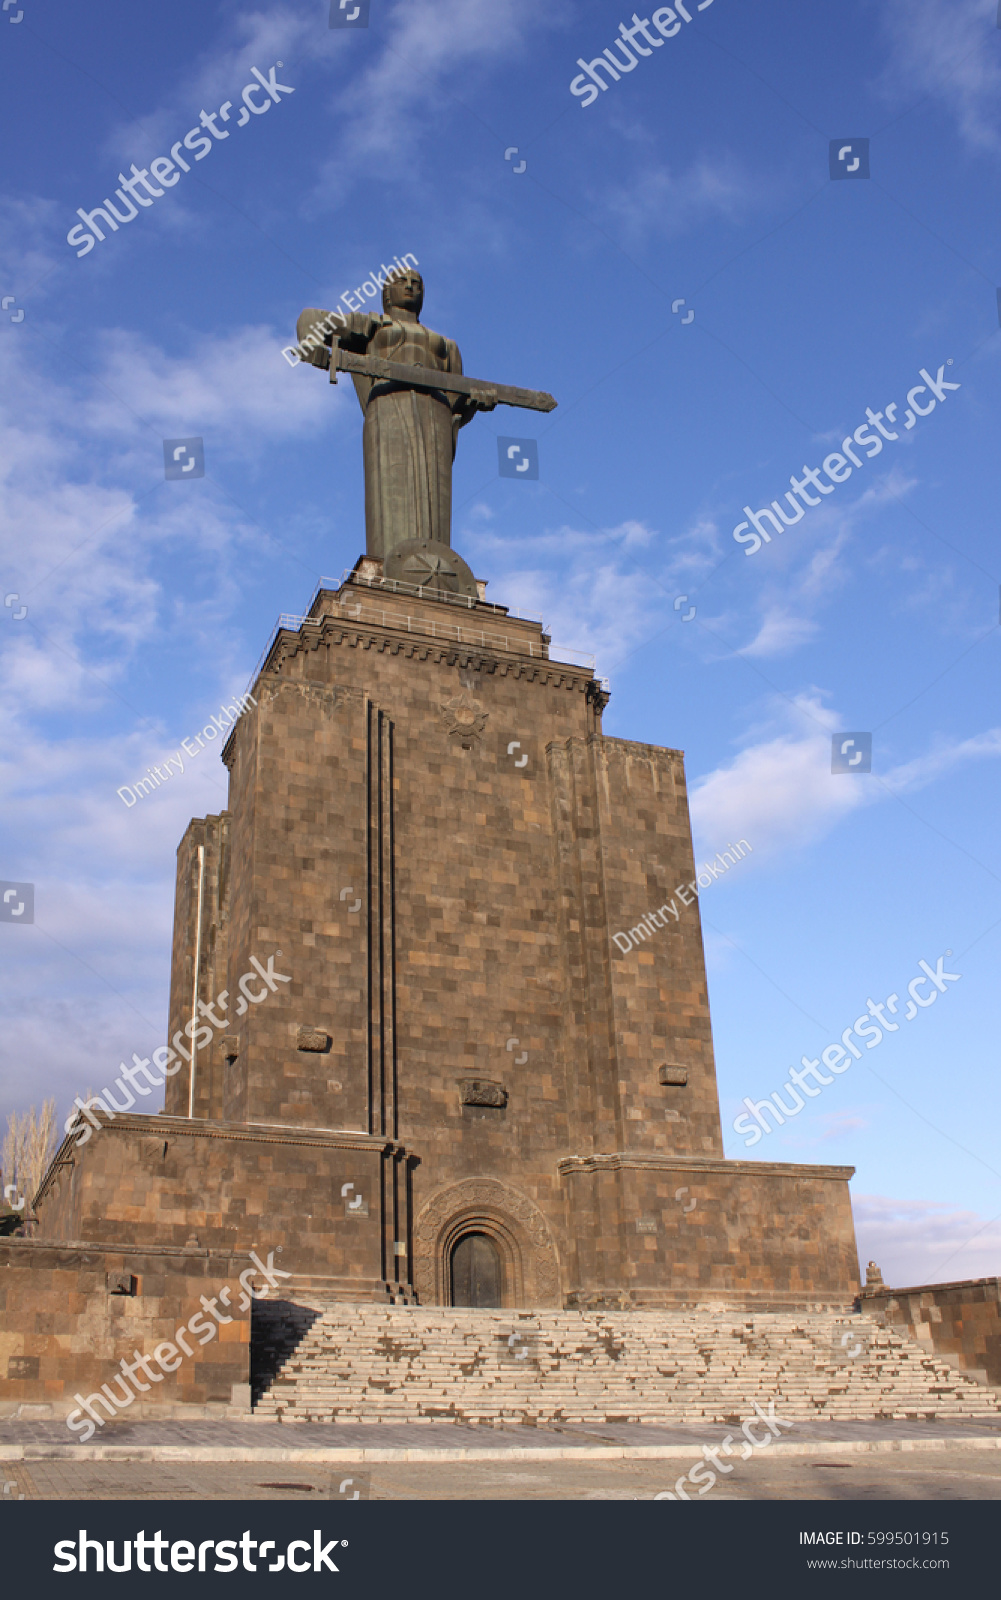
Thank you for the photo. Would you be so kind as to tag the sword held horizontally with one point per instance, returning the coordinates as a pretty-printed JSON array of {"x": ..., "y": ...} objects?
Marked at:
[{"x": 502, "y": 394}]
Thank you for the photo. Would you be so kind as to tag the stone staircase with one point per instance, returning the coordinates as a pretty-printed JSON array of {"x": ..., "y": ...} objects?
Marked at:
[{"x": 368, "y": 1363}]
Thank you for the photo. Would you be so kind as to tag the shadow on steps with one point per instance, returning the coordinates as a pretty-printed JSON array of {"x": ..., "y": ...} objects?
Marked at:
[{"x": 277, "y": 1328}]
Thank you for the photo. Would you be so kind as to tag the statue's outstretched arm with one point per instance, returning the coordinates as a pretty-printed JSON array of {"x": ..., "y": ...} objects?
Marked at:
[{"x": 317, "y": 330}]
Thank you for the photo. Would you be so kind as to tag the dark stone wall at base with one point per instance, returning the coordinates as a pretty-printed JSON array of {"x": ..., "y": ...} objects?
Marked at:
[
  {"x": 654, "y": 1230},
  {"x": 65, "y": 1326},
  {"x": 961, "y": 1322},
  {"x": 231, "y": 1188}
]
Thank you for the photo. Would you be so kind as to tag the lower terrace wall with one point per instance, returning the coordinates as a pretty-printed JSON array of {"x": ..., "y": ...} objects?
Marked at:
[
  {"x": 961, "y": 1322},
  {"x": 677, "y": 1231},
  {"x": 326, "y": 1198},
  {"x": 70, "y": 1313}
]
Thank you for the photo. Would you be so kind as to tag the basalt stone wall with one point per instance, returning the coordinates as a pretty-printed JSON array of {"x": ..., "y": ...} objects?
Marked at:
[
  {"x": 678, "y": 1231},
  {"x": 961, "y": 1322},
  {"x": 70, "y": 1313},
  {"x": 427, "y": 822},
  {"x": 440, "y": 840},
  {"x": 403, "y": 858},
  {"x": 663, "y": 1038},
  {"x": 393, "y": 834},
  {"x": 174, "y": 1183}
]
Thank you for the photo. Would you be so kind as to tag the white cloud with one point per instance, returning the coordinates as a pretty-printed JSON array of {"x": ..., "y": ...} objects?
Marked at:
[
  {"x": 593, "y": 597},
  {"x": 237, "y": 384},
  {"x": 252, "y": 38},
  {"x": 259, "y": 39},
  {"x": 434, "y": 56},
  {"x": 779, "y": 633},
  {"x": 85, "y": 509},
  {"x": 27, "y": 226},
  {"x": 780, "y": 793},
  {"x": 802, "y": 572},
  {"x": 658, "y": 199},
  {"x": 944, "y": 755},
  {"x": 87, "y": 984},
  {"x": 944, "y": 48},
  {"x": 86, "y": 522},
  {"x": 596, "y": 611},
  {"x": 834, "y": 520},
  {"x": 925, "y": 1241}
]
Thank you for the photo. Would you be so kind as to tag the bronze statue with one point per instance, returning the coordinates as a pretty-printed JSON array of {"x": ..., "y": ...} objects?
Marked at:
[{"x": 412, "y": 423}]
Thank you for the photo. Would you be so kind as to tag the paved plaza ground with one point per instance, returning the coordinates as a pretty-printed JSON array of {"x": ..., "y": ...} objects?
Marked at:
[
  {"x": 954, "y": 1474},
  {"x": 860, "y": 1461}
]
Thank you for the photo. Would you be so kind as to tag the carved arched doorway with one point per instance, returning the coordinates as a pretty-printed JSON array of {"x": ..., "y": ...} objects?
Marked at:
[{"x": 507, "y": 1222}]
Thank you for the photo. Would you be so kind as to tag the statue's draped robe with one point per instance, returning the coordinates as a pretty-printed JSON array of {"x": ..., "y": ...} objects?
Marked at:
[{"x": 409, "y": 435}]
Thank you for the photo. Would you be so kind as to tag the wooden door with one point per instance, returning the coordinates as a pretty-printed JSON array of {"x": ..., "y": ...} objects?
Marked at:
[{"x": 476, "y": 1272}]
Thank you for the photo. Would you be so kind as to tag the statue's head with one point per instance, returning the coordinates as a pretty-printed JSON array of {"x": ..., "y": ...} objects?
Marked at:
[{"x": 405, "y": 291}]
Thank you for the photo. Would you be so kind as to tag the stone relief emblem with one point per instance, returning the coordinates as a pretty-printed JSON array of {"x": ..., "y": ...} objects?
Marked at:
[
  {"x": 481, "y": 1092},
  {"x": 464, "y": 718},
  {"x": 312, "y": 1039}
]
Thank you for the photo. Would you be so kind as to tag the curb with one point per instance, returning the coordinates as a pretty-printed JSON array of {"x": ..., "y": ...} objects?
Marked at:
[{"x": 342, "y": 1454}]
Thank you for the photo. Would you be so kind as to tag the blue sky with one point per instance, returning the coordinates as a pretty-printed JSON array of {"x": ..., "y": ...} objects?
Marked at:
[{"x": 701, "y": 175}]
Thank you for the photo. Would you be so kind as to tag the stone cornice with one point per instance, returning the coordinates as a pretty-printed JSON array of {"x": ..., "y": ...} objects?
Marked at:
[
  {"x": 120, "y": 1248},
  {"x": 266, "y": 1132},
  {"x": 255, "y": 1132},
  {"x": 620, "y": 1160},
  {"x": 534, "y": 669},
  {"x": 869, "y": 1293},
  {"x": 634, "y": 747}
]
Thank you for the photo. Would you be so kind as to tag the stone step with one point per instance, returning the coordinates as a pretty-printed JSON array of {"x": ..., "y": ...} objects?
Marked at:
[{"x": 369, "y": 1362}]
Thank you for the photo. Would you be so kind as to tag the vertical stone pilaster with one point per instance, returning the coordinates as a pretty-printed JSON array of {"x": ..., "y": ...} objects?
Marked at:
[
  {"x": 212, "y": 834},
  {"x": 590, "y": 1072},
  {"x": 381, "y": 925},
  {"x": 659, "y": 989}
]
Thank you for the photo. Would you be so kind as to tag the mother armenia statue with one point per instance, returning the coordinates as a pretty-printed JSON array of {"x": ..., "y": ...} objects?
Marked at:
[{"x": 412, "y": 422}]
